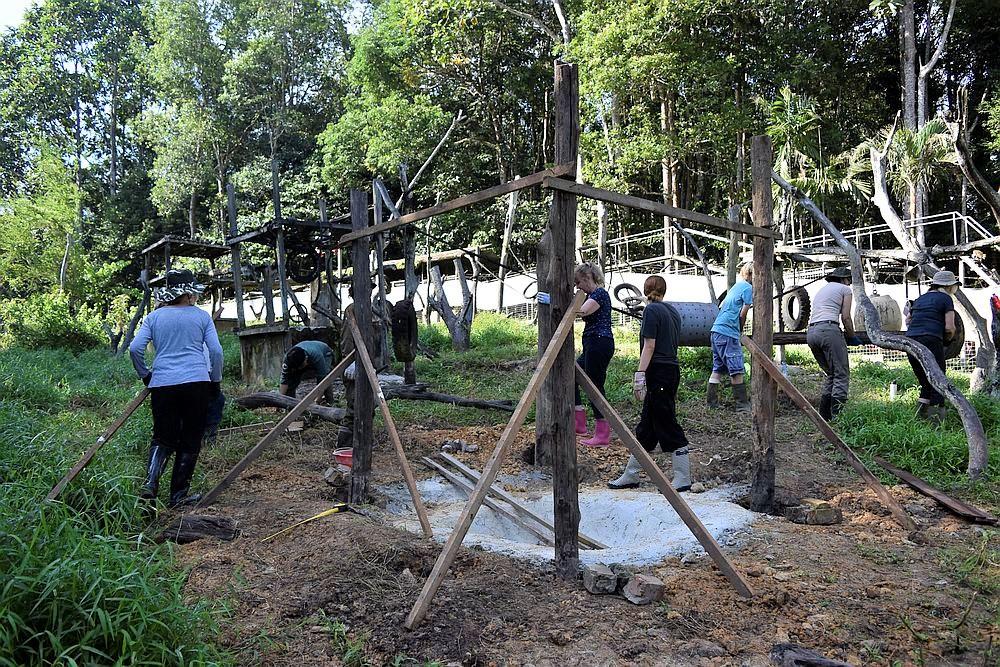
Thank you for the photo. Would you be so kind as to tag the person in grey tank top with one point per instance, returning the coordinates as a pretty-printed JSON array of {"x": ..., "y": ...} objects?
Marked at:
[{"x": 831, "y": 306}]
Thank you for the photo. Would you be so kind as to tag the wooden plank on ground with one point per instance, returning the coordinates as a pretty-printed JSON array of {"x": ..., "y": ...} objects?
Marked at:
[
  {"x": 683, "y": 510},
  {"x": 659, "y": 208},
  {"x": 902, "y": 518},
  {"x": 132, "y": 406},
  {"x": 492, "y": 467},
  {"x": 500, "y": 493},
  {"x": 390, "y": 425},
  {"x": 466, "y": 487},
  {"x": 953, "y": 505},
  {"x": 276, "y": 432},
  {"x": 247, "y": 427},
  {"x": 460, "y": 202}
]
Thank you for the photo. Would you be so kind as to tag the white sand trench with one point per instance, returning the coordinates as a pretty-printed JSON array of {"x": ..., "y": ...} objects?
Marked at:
[{"x": 639, "y": 526}]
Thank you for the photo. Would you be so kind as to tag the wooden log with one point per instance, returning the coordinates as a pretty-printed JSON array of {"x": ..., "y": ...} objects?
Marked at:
[
  {"x": 656, "y": 207},
  {"x": 406, "y": 393},
  {"x": 460, "y": 202},
  {"x": 411, "y": 484},
  {"x": 763, "y": 392},
  {"x": 686, "y": 514},
  {"x": 279, "y": 428},
  {"x": 241, "y": 319},
  {"x": 191, "y": 527},
  {"x": 558, "y": 386},
  {"x": 544, "y": 423},
  {"x": 499, "y": 509},
  {"x": 768, "y": 366},
  {"x": 498, "y": 492},
  {"x": 953, "y": 505},
  {"x": 491, "y": 469},
  {"x": 272, "y": 399},
  {"x": 364, "y": 397},
  {"x": 132, "y": 406}
]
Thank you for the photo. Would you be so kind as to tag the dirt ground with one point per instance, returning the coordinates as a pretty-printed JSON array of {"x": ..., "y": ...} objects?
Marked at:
[{"x": 860, "y": 591}]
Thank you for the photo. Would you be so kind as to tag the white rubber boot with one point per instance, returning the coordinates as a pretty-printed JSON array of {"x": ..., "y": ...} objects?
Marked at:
[
  {"x": 682, "y": 470},
  {"x": 629, "y": 478}
]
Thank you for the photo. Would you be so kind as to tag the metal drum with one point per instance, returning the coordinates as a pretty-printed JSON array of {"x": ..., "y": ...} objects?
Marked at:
[{"x": 697, "y": 319}]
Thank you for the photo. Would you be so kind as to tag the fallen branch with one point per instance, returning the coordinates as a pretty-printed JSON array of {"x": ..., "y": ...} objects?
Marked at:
[
  {"x": 409, "y": 393},
  {"x": 970, "y": 419},
  {"x": 272, "y": 399}
]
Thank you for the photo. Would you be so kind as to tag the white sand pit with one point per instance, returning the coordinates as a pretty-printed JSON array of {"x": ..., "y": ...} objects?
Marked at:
[{"x": 638, "y": 526}]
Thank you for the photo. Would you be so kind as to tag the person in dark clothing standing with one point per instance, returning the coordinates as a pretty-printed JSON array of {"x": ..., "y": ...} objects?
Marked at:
[
  {"x": 186, "y": 377},
  {"x": 598, "y": 348},
  {"x": 931, "y": 322},
  {"x": 655, "y": 384}
]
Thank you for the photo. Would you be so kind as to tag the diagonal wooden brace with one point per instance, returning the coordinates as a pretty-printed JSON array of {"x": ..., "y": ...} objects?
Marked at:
[
  {"x": 683, "y": 510},
  {"x": 492, "y": 467},
  {"x": 390, "y": 425},
  {"x": 276, "y": 432},
  {"x": 898, "y": 513}
]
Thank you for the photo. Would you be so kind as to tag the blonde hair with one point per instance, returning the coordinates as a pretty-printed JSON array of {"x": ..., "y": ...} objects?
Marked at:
[
  {"x": 746, "y": 271},
  {"x": 591, "y": 269},
  {"x": 654, "y": 288}
]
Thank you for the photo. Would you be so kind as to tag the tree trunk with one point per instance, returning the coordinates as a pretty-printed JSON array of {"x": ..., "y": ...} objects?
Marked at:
[
  {"x": 978, "y": 446},
  {"x": 457, "y": 326},
  {"x": 113, "y": 175},
  {"x": 908, "y": 61},
  {"x": 192, "y": 225},
  {"x": 963, "y": 155},
  {"x": 508, "y": 229}
]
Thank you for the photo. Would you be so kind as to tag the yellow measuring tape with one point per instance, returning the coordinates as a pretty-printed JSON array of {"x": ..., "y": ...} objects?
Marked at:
[{"x": 342, "y": 507}]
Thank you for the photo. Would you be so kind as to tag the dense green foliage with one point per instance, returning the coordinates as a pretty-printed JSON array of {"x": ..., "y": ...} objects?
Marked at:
[{"x": 83, "y": 583}]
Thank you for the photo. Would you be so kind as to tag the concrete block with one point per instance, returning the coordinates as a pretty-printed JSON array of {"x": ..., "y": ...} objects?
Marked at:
[
  {"x": 599, "y": 579},
  {"x": 644, "y": 589},
  {"x": 814, "y": 512}
]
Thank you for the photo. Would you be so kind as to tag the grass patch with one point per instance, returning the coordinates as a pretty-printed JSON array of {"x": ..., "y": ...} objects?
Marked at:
[{"x": 82, "y": 582}]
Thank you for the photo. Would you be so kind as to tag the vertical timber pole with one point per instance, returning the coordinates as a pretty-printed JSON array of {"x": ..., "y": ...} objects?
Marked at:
[
  {"x": 762, "y": 388},
  {"x": 544, "y": 423},
  {"x": 560, "y": 381},
  {"x": 279, "y": 242},
  {"x": 241, "y": 319},
  {"x": 364, "y": 396}
]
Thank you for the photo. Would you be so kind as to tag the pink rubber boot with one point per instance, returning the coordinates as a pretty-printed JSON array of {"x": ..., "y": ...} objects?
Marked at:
[
  {"x": 581, "y": 421},
  {"x": 602, "y": 435}
]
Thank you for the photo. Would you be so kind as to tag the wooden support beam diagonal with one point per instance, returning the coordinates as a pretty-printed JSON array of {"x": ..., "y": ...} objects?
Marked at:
[
  {"x": 793, "y": 393},
  {"x": 684, "y": 511},
  {"x": 362, "y": 354},
  {"x": 492, "y": 467},
  {"x": 460, "y": 202},
  {"x": 276, "y": 432},
  {"x": 659, "y": 208}
]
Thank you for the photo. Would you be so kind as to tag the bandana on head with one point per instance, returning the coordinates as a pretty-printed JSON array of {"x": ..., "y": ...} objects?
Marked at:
[{"x": 177, "y": 284}]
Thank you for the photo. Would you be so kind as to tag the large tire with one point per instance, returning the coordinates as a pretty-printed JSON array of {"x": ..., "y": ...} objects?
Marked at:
[
  {"x": 404, "y": 331},
  {"x": 954, "y": 348},
  {"x": 795, "y": 309},
  {"x": 633, "y": 300}
]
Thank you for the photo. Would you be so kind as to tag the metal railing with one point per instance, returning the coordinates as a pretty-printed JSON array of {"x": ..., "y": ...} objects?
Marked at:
[{"x": 963, "y": 229}]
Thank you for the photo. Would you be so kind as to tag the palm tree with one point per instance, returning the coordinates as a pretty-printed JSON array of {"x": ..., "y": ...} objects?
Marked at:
[{"x": 917, "y": 158}]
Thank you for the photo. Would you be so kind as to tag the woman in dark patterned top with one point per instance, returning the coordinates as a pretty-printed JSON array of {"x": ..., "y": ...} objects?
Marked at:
[{"x": 598, "y": 348}]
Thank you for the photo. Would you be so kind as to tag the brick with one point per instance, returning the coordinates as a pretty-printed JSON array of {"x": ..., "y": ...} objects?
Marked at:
[
  {"x": 644, "y": 589},
  {"x": 599, "y": 579}
]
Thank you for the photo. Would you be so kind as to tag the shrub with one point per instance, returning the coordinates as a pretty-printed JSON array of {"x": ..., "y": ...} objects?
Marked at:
[{"x": 46, "y": 320}]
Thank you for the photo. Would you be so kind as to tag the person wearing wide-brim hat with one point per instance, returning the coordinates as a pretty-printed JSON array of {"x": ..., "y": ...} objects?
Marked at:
[
  {"x": 831, "y": 307},
  {"x": 931, "y": 321},
  {"x": 182, "y": 383}
]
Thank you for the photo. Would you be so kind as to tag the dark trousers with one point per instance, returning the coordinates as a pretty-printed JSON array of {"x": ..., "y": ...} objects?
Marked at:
[
  {"x": 829, "y": 347},
  {"x": 936, "y": 346},
  {"x": 179, "y": 413},
  {"x": 213, "y": 417},
  {"x": 658, "y": 423},
  {"x": 594, "y": 361}
]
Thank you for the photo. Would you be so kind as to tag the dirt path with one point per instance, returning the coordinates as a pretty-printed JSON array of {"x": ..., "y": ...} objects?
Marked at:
[{"x": 859, "y": 591}]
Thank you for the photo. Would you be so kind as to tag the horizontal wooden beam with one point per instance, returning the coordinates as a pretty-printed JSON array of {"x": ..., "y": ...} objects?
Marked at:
[
  {"x": 460, "y": 202},
  {"x": 659, "y": 208}
]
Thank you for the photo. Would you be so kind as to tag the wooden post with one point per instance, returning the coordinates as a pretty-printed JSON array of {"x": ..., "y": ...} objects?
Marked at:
[
  {"x": 492, "y": 468},
  {"x": 279, "y": 242},
  {"x": 267, "y": 292},
  {"x": 241, "y": 320},
  {"x": 508, "y": 229},
  {"x": 543, "y": 407},
  {"x": 763, "y": 391},
  {"x": 364, "y": 397},
  {"x": 559, "y": 383}
]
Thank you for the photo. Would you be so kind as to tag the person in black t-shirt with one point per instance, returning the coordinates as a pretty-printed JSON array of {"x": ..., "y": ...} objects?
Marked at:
[
  {"x": 931, "y": 321},
  {"x": 655, "y": 384}
]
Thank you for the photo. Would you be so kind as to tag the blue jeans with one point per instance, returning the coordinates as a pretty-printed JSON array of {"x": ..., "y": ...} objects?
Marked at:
[{"x": 727, "y": 354}]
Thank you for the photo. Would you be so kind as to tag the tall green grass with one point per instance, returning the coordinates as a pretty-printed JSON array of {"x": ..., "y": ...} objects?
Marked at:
[{"x": 81, "y": 582}]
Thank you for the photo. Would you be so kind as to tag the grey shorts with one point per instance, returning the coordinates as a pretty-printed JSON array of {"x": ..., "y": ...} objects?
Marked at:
[{"x": 727, "y": 354}]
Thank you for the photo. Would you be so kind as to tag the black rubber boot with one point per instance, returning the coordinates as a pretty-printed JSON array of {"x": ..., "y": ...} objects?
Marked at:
[
  {"x": 158, "y": 456},
  {"x": 826, "y": 407},
  {"x": 712, "y": 395},
  {"x": 180, "y": 481},
  {"x": 742, "y": 399}
]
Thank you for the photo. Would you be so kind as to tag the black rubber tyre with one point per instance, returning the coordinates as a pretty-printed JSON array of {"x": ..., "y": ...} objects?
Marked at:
[
  {"x": 303, "y": 265},
  {"x": 795, "y": 309},
  {"x": 954, "y": 348},
  {"x": 633, "y": 300},
  {"x": 404, "y": 331}
]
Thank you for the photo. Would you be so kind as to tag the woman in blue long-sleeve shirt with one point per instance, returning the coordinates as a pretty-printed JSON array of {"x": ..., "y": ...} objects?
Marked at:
[{"x": 182, "y": 383}]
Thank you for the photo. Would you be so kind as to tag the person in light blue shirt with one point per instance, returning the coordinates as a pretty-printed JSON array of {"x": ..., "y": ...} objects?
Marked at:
[
  {"x": 182, "y": 383},
  {"x": 727, "y": 352}
]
